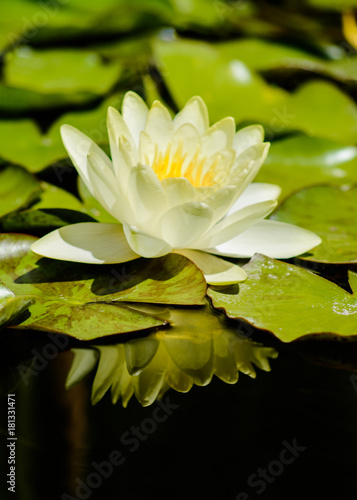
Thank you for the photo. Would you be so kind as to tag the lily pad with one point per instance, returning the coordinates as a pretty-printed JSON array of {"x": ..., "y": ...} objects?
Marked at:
[
  {"x": 59, "y": 71},
  {"x": 320, "y": 109},
  {"x": 14, "y": 101},
  {"x": 331, "y": 4},
  {"x": 290, "y": 302},
  {"x": 55, "y": 197},
  {"x": 228, "y": 86},
  {"x": 22, "y": 143},
  {"x": 301, "y": 161},
  {"x": 39, "y": 222},
  {"x": 231, "y": 87},
  {"x": 17, "y": 188},
  {"x": 329, "y": 212},
  {"x": 10, "y": 306},
  {"x": 265, "y": 55},
  {"x": 83, "y": 301}
]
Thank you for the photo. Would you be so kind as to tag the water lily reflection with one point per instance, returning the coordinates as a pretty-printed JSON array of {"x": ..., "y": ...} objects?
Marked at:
[{"x": 198, "y": 346}]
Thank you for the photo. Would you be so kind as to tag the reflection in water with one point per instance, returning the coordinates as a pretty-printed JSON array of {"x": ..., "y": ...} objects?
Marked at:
[{"x": 198, "y": 346}]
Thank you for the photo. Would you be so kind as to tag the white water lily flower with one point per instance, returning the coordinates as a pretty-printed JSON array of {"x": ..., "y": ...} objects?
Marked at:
[{"x": 175, "y": 185}]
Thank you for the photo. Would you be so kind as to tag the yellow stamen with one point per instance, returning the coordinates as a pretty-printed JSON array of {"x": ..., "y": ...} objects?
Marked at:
[{"x": 170, "y": 164}]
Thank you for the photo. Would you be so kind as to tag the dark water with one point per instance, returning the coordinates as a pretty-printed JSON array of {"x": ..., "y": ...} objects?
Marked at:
[{"x": 211, "y": 443}]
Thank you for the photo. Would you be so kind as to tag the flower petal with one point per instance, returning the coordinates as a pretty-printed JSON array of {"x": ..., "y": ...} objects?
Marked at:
[
  {"x": 219, "y": 136},
  {"x": 217, "y": 271},
  {"x": 135, "y": 113},
  {"x": 254, "y": 193},
  {"x": 178, "y": 190},
  {"x": 117, "y": 128},
  {"x": 235, "y": 224},
  {"x": 107, "y": 190},
  {"x": 159, "y": 125},
  {"x": 145, "y": 194},
  {"x": 78, "y": 146},
  {"x": 88, "y": 242},
  {"x": 185, "y": 223},
  {"x": 274, "y": 239},
  {"x": 247, "y": 165},
  {"x": 144, "y": 244},
  {"x": 248, "y": 136},
  {"x": 219, "y": 201},
  {"x": 194, "y": 112}
]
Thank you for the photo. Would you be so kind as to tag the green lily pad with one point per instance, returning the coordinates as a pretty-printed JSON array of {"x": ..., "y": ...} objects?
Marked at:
[
  {"x": 22, "y": 143},
  {"x": 14, "y": 101},
  {"x": 55, "y": 197},
  {"x": 228, "y": 86},
  {"x": 39, "y": 222},
  {"x": 331, "y": 213},
  {"x": 263, "y": 55},
  {"x": 59, "y": 71},
  {"x": 266, "y": 55},
  {"x": 331, "y": 4},
  {"x": 17, "y": 188},
  {"x": 84, "y": 301},
  {"x": 55, "y": 208},
  {"x": 290, "y": 302},
  {"x": 320, "y": 109},
  {"x": 301, "y": 161},
  {"x": 93, "y": 123},
  {"x": 10, "y": 306}
]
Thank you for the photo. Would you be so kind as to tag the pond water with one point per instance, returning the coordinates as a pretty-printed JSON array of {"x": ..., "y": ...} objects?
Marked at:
[{"x": 223, "y": 441}]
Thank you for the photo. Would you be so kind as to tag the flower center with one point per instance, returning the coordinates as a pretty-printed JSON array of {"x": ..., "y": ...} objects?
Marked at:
[{"x": 199, "y": 170}]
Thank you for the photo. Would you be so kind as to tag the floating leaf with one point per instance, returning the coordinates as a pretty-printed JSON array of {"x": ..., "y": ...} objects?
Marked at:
[
  {"x": 266, "y": 55},
  {"x": 55, "y": 197},
  {"x": 329, "y": 212},
  {"x": 331, "y": 4},
  {"x": 290, "y": 301},
  {"x": 39, "y": 222},
  {"x": 228, "y": 86},
  {"x": 21, "y": 141},
  {"x": 298, "y": 162},
  {"x": 262, "y": 54},
  {"x": 232, "y": 88},
  {"x": 78, "y": 300},
  {"x": 10, "y": 306},
  {"x": 320, "y": 109},
  {"x": 17, "y": 188},
  {"x": 14, "y": 101},
  {"x": 59, "y": 71}
]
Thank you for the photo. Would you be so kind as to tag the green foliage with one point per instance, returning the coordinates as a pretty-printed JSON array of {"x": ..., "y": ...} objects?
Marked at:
[
  {"x": 289, "y": 301},
  {"x": 329, "y": 212},
  {"x": 301, "y": 161},
  {"x": 87, "y": 302}
]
